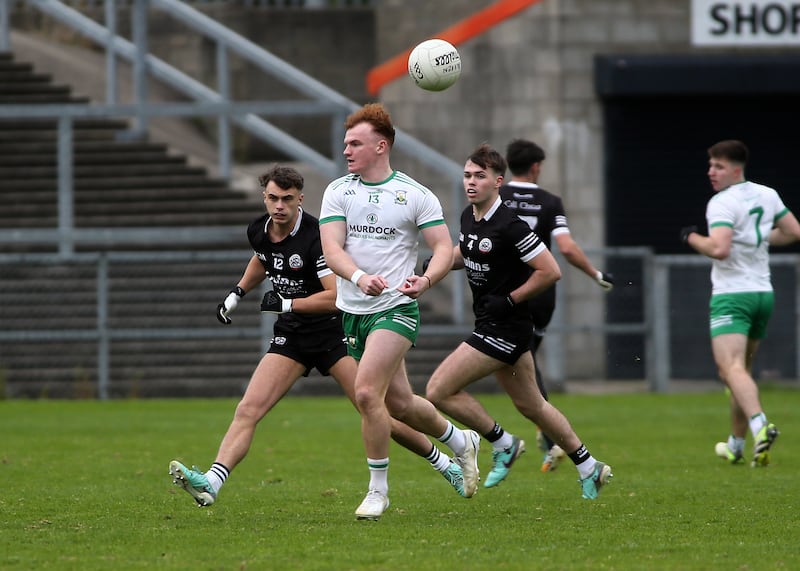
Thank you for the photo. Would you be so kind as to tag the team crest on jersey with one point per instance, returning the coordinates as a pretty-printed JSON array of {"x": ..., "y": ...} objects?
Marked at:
[
  {"x": 295, "y": 261},
  {"x": 279, "y": 340},
  {"x": 401, "y": 197},
  {"x": 485, "y": 246},
  {"x": 351, "y": 340}
]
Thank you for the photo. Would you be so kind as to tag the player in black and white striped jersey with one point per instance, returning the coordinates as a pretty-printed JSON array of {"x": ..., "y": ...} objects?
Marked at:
[
  {"x": 544, "y": 213},
  {"x": 506, "y": 265}
]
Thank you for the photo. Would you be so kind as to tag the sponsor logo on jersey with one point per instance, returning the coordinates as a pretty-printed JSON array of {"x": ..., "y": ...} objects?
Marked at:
[
  {"x": 485, "y": 245},
  {"x": 371, "y": 230},
  {"x": 515, "y": 205},
  {"x": 295, "y": 261},
  {"x": 476, "y": 266}
]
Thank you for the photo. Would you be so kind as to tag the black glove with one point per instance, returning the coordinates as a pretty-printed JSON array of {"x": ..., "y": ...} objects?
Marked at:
[
  {"x": 274, "y": 303},
  {"x": 230, "y": 303},
  {"x": 425, "y": 263},
  {"x": 499, "y": 306},
  {"x": 604, "y": 280},
  {"x": 685, "y": 231}
]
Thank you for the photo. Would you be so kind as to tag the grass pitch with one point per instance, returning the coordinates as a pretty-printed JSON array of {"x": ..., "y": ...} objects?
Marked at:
[{"x": 85, "y": 486}]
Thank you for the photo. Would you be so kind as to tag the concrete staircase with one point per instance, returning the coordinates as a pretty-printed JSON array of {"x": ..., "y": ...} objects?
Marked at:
[
  {"x": 117, "y": 183},
  {"x": 125, "y": 184}
]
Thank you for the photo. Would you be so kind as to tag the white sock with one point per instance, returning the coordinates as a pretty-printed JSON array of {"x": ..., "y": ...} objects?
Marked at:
[
  {"x": 757, "y": 422},
  {"x": 506, "y": 440},
  {"x": 735, "y": 444},
  {"x": 586, "y": 467},
  {"x": 379, "y": 474},
  {"x": 217, "y": 475},
  {"x": 454, "y": 438},
  {"x": 439, "y": 461}
]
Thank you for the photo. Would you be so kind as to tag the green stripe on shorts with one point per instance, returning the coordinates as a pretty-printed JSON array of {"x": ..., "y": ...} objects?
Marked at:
[{"x": 403, "y": 320}]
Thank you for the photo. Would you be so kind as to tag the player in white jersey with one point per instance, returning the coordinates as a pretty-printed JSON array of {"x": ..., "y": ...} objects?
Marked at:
[
  {"x": 744, "y": 219},
  {"x": 370, "y": 222}
]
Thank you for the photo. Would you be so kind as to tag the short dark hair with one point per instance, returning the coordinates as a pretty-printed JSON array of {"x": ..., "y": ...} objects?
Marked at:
[
  {"x": 284, "y": 177},
  {"x": 488, "y": 158},
  {"x": 376, "y": 115},
  {"x": 730, "y": 149},
  {"x": 522, "y": 154}
]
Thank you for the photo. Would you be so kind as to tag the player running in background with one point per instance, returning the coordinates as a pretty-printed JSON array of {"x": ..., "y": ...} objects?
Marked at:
[
  {"x": 544, "y": 213},
  {"x": 307, "y": 333},
  {"x": 744, "y": 219},
  {"x": 506, "y": 265},
  {"x": 370, "y": 223}
]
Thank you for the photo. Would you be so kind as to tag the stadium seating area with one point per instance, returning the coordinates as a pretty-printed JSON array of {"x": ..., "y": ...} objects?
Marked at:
[{"x": 119, "y": 183}]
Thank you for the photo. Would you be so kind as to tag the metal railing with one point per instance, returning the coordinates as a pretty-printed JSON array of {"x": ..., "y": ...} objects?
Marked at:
[
  {"x": 217, "y": 103},
  {"x": 659, "y": 330}
]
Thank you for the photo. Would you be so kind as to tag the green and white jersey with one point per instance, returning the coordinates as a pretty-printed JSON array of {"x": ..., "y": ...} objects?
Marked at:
[
  {"x": 383, "y": 224},
  {"x": 751, "y": 210}
]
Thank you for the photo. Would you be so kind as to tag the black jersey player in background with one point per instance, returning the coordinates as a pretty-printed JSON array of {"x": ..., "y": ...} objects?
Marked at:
[
  {"x": 307, "y": 333},
  {"x": 506, "y": 265},
  {"x": 544, "y": 213}
]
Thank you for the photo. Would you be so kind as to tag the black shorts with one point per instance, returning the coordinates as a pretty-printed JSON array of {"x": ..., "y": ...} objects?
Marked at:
[
  {"x": 506, "y": 343},
  {"x": 320, "y": 351}
]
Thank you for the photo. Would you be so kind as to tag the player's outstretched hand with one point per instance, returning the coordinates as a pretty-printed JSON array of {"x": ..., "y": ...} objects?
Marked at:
[
  {"x": 499, "y": 306},
  {"x": 230, "y": 303},
  {"x": 274, "y": 303},
  {"x": 605, "y": 280},
  {"x": 685, "y": 231}
]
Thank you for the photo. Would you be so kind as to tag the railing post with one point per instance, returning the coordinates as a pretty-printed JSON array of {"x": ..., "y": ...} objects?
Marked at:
[
  {"x": 103, "y": 337},
  {"x": 655, "y": 382},
  {"x": 5, "y": 33},
  {"x": 659, "y": 382},
  {"x": 224, "y": 120},
  {"x": 554, "y": 340},
  {"x": 66, "y": 202},
  {"x": 111, "y": 57},
  {"x": 459, "y": 281},
  {"x": 140, "y": 64},
  {"x": 797, "y": 318}
]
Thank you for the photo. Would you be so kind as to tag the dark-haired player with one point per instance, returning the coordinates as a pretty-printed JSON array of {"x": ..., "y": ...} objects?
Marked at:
[
  {"x": 506, "y": 264},
  {"x": 544, "y": 213}
]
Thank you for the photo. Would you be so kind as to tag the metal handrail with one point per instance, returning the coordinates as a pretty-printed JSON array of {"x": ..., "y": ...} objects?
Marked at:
[{"x": 324, "y": 99}]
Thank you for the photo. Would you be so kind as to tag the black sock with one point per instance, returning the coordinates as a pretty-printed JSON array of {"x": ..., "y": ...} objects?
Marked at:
[
  {"x": 580, "y": 455},
  {"x": 495, "y": 434}
]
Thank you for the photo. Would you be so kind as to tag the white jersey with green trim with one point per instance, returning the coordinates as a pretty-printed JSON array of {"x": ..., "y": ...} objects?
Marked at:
[
  {"x": 382, "y": 234},
  {"x": 751, "y": 210}
]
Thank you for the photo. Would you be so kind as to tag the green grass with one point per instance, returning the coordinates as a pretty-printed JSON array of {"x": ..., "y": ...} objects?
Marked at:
[{"x": 85, "y": 486}]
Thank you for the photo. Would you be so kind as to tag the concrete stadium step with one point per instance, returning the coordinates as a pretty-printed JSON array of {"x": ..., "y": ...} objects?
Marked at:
[
  {"x": 151, "y": 171},
  {"x": 36, "y": 198},
  {"x": 80, "y": 148},
  {"x": 32, "y": 87},
  {"x": 50, "y": 126},
  {"x": 10, "y": 76},
  {"x": 119, "y": 184},
  {"x": 89, "y": 159},
  {"x": 28, "y": 98},
  {"x": 102, "y": 207}
]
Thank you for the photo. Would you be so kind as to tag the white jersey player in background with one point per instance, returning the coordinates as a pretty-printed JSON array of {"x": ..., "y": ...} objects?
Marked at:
[{"x": 744, "y": 219}]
